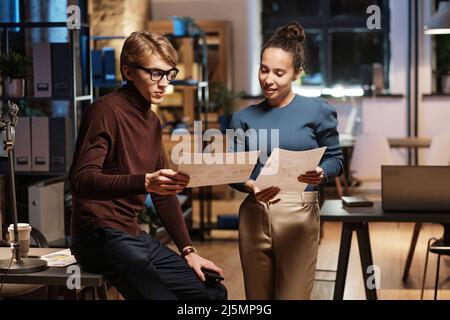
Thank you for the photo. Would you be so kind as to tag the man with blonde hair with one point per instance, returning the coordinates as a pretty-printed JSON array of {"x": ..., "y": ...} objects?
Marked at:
[{"x": 117, "y": 161}]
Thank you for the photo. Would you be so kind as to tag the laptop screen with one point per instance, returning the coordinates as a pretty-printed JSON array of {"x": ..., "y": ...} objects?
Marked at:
[{"x": 415, "y": 188}]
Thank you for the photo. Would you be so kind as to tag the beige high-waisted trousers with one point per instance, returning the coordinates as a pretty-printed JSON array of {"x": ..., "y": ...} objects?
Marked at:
[{"x": 278, "y": 246}]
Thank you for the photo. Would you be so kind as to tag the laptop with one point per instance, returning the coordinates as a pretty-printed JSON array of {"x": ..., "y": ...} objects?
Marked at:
[{"x": 415, "y": 188}]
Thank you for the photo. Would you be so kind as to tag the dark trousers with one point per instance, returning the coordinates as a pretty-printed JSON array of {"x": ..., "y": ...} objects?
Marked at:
[{"x": 142, "y": 267}]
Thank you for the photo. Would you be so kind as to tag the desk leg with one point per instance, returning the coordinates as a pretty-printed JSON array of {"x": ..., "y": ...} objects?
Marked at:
[
  {"x": 102, "y": 292},
  {"x": 344, "y": 252},
  {"x": 412, "y": 248},
  {"x": 365, "y": 253}
]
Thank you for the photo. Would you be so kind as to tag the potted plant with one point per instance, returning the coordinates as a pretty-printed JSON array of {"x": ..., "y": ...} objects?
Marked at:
[
  {"x": 443, "y": 61},
  {"x": 15, "y": 68},
  {"x": 223, "y": 101}
]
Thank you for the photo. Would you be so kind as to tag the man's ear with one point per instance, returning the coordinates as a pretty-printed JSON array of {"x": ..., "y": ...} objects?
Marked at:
[{"x": 128, "y": 72}]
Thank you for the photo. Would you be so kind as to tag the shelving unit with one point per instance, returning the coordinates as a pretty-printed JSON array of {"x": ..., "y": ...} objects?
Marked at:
[
  {"x": 205, "y": 61},
  {"x": 96, "y": 46},
  {"x": 216, "y": 52},
  {"x": 193, "y": 83},
  {"x": 218, "y": 37},
  {"x": 80, "y": 53},
  {"x": 86, "y": 88}
]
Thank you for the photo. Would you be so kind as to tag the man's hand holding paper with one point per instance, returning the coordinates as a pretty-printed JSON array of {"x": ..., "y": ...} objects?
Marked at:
[
  {"x": 215, "y": 169},
  {"x": 165, "y": 182}
]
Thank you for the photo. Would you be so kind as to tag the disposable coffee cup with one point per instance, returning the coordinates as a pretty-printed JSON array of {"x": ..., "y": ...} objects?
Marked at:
[{"x": 24, "y": 230}]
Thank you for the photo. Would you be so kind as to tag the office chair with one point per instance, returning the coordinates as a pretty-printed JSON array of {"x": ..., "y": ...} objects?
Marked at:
[
  {"x": 439, "y": 247},
  {"x": 370, "y": 152},
  {"x": 438, "y": 155},
  {"x": 439, "y": 152}
]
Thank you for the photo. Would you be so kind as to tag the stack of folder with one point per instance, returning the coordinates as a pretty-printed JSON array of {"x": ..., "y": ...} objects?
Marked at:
[{"x": 43, "y": 144}]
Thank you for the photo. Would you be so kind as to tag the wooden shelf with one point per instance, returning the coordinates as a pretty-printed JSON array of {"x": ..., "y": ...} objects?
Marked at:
[
  {"x": 218, "y": 34},
  {"x": 218, "y": 40},
  {"x": 36, "y": 98}
]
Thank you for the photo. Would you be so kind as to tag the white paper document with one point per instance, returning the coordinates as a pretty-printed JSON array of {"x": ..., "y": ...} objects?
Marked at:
[
  {"x": 284, "y": 166},
  {"x": 220, "y": 168},
  {"x": 61, "y": 258}
]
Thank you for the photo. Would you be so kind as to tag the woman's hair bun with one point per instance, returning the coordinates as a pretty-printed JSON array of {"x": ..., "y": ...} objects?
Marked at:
[{"x": 292, "y": 31}]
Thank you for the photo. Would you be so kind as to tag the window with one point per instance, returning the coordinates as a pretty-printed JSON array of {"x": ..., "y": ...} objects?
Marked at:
[
  {"x": 442, "y": 56},
  {"x": 338, "y": 43},
  {"x": 352, "y": 50},
  {"x": 275, "y": 9},
  {"x": 313, "y": 44},
  {"x": 350, "y": 8},
  {"x": 9, "y": 11}
]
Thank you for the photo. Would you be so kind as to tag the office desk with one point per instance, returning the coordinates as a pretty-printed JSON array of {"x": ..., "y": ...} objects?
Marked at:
[
  {"x": 357, "y": 219},
  {"x": 53, "y": 277}
]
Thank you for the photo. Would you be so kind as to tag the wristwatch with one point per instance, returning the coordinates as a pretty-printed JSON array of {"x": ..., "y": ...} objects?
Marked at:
[{"x": 188, "y": 250}]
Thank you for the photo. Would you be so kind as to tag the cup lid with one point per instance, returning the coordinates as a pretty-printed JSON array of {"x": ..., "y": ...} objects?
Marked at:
[{"x": 20, "y": 226}]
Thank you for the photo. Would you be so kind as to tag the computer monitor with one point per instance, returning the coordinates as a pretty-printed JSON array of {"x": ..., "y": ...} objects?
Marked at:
[{"x": 415, "y": 188}]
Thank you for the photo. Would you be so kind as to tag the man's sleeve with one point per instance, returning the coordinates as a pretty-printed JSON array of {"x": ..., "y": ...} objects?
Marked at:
[
  {"x": 88, "y": 177},
  {"x": 169, "y": 211}
]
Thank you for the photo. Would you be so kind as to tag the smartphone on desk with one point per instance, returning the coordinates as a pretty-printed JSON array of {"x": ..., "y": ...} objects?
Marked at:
[{"x": 356, "y": 201}]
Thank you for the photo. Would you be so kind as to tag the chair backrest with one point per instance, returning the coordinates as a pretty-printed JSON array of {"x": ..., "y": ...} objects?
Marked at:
[
  {"x": 352, "y": 118},
  {"x": 370, "y": 152},
  {"x": 439, "y": 152},
  {"x": 38, "y": 238}
]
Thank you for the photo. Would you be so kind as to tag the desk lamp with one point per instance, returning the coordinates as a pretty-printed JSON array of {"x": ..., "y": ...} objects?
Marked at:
[{"x": 17, "y": 264}]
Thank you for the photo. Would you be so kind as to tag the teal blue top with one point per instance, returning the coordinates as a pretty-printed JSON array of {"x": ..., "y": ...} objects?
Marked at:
[{"x": 304, "y": 124}]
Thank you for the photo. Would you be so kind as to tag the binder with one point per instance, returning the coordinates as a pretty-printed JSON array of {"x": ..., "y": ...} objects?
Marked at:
[
  {"x": 60, "y": 141},
  {"x": 42, "y": 70},
  {"x": 109, "y": 66},
  {"x": 3, "y": 152},
  {"x": 97, "y": 67},
  {"x": 39, "y": 144},
  {"x": 22, "y": 145},
  {"x": 62, "y": 72}
]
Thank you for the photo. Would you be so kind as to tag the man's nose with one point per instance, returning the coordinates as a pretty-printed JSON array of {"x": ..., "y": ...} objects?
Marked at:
[{"x": 164, "y": 82}]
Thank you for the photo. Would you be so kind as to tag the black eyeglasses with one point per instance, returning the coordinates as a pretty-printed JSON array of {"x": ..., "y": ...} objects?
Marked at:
[{"x": 158, "y": 74}]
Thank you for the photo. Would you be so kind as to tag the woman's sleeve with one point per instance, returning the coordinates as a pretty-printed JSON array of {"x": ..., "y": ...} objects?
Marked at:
[
  {"x": 328, "y": 136},
  {"x": 236, "y": 144}
]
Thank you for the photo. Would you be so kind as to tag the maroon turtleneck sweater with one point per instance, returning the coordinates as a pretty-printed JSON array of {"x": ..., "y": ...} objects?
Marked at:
[{"x": 119, "y": 141}]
